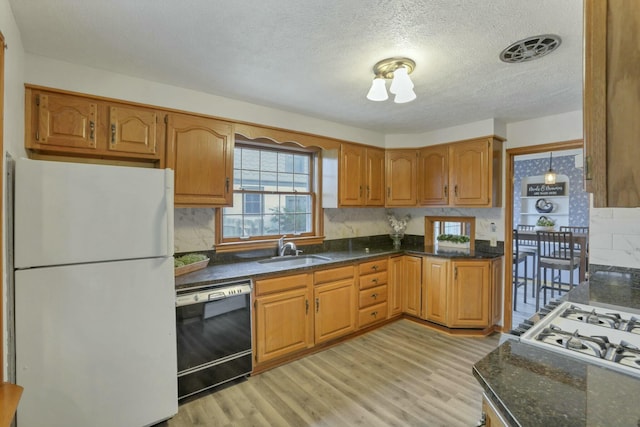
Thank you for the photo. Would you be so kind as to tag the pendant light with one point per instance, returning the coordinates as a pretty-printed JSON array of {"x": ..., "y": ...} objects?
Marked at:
[{"x": 550, "y": 176}]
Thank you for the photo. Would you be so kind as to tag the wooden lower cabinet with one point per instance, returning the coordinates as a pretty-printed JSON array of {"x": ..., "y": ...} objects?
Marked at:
[
  {"x": 469, "y": 305},
  {"x": 463, "y": 293},
  {"x": 411, "y": 285},
  {"x": 335, "y": 313},
  {"x": 435, "y": 288},
  {"x": 396, "y": 272},
  {"x": 283, "y": 316},
  {"x": 373, "y": 295},
  {"x": 490, "y": 415}
]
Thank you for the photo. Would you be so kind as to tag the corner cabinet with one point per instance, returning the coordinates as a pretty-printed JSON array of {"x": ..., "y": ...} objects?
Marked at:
[
  {"x": 462, "y": 174},
  {"x": 200, "y": 151},
  {"x": 59, "y": 123},
  {"x": 463, "y": 293},
  {"x": 401, "y": 177},
  {"x": 611, "y": 101},
  {"x": 361, "y": 175}
]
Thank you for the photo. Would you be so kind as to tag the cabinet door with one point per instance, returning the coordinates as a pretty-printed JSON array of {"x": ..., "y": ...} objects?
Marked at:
[
  {"x": 411, "y": 302},
  {"x": 395, "y": 280},
  {"x": 611, "y": 102},
  {"x": 61, "y": 121},
  {"x": 351, "y": 175},
  {"x": 433, "y": 176},
  {"x": 282, "y": 324},
  {"x": 133, "y": 130},
  {"x": 335, "y": 305},
  {"x": 401, "y": 177},
  {"x": 435, "y": 286},
  {"x": 200, "y": 151},
  {"x": 374, "y": 182},
  {"x": 470, "y": 292},
  {"x": 470, "y": 173}
]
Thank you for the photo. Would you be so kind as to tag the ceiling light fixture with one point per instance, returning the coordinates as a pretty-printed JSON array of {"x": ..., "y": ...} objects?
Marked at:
[
  {"x": 550, "y": 176},
  {"x": 397, "y": 69}
]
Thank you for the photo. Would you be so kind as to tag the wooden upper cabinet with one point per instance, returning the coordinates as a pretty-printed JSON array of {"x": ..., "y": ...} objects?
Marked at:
[
  {"x": 374, "y": 173},
  {"x": 611, "y": 101},
  {"x": 200, "y": 151},
  {"x": 433, "y": 176},
  {"x": 352, "y": 175},
  {"x": 361, "y": 176},
  {"x": 474, "y": 173},
  {"x": 133, "y": 130},
  {"x": 62, "y": 122},
  {"x": 401, "y": 177}
]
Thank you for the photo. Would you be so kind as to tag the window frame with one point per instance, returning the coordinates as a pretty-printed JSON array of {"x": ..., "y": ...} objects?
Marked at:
[{"x": 314, "y": 236}]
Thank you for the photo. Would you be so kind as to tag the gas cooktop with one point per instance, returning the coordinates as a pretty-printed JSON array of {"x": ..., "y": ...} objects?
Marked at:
[{"x": 605, "y": 336}]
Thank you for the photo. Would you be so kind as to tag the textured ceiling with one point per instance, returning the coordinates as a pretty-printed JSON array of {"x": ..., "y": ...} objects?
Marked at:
[{"x": 316, "y": 57}]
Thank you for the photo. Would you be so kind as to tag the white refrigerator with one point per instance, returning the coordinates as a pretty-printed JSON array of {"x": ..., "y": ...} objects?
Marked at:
[{"x": 95, "y": 327}]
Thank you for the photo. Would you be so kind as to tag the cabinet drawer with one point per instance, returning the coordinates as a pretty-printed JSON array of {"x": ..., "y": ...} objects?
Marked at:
[
  {"x": 371, "y": 280},
  {"x": 333, "y": 274},
  {"x": 372, "y": 314},
  {"x": 373, "y": 266},
  {"x": 277, "y": 284},
  {"x": 372, "y": 296}
]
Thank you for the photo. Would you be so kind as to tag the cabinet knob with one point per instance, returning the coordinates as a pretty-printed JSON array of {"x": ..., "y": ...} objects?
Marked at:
[
  {"x": 374, "y": 295},
  {"x": 374, "y": 267},
  {"x": 374, "y": 313}
]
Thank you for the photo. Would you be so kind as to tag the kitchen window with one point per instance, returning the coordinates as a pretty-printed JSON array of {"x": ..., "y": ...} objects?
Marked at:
[{"x": 273, "y": 194}]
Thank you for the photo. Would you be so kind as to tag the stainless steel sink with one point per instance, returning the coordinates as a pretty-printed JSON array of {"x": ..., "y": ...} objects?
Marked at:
[{"x": 295, "y": 261}]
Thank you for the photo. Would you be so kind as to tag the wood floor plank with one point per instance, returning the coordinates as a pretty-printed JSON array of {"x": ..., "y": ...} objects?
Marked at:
[{"x": 403, "y": 374}]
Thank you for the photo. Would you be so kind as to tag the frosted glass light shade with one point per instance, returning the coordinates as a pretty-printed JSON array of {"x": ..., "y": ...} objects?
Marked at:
[
  {"x": 378, "y": 91},
  {"x": 550, "y": 177},
  {"x": 404, "y": 96},
  {"x": 401, "y": 81}
]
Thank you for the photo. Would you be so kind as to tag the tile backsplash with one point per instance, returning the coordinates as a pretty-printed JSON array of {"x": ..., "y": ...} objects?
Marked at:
[{"x": 614, "y": 237}]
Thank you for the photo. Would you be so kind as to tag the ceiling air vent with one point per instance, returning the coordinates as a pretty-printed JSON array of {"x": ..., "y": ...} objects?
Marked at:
[{"x": 530, "y": 48}]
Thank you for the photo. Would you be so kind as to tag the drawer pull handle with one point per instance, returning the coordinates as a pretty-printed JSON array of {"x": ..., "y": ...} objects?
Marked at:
[
  {"x": 374, "y": 281},
  {"x": 374, "y": 295},
  {"x": 374, "y": 313}
]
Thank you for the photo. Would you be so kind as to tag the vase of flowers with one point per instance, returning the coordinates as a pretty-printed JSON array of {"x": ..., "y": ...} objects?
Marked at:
[{"x": 398, "y": 227}]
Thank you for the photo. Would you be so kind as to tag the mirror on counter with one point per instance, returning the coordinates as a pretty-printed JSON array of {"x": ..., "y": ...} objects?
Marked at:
[{"x": 434, "y": 226}]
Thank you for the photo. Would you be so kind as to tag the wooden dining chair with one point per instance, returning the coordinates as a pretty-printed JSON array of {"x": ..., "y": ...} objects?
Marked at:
[
  {"x": 519, "y": 257},
  {"x": 530, "y": 248},
  {"x": 555, "y": 252},
  {"x": 580, "y": 230}
]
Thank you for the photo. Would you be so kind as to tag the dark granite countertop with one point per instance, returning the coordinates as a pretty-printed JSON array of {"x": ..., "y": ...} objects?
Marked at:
[
  {"x": 532, "y": 386},
  {"x": 221, "y": 272}
]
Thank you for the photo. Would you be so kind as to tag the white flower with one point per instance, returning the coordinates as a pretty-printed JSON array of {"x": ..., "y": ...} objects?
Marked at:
[{"x": 398, "y": 225}]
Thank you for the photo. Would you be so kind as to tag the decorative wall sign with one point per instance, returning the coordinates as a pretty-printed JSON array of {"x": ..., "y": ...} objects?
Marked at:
[{"x": 557, "y": 189}]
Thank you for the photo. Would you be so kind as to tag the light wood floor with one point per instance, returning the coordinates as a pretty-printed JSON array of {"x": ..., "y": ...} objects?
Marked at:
[{"x": 403, "y": 374}]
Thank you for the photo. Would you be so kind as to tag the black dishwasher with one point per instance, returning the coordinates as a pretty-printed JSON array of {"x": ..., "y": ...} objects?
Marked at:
[{"x": 213, "y": 335}]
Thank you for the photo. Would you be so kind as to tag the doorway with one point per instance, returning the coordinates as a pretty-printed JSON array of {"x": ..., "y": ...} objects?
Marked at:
[{"x": 517, "y": 211}]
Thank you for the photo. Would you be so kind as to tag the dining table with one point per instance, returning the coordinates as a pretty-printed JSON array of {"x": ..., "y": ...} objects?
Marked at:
[{"x": 579, "y": 239}]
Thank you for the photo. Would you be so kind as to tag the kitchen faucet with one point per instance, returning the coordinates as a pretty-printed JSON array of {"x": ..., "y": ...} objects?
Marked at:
[{"x": 282, "y": 247}]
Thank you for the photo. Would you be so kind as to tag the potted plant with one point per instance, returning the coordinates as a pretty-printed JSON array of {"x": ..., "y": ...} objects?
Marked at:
[
  {"x": 545, "y": 224},
  {"x": 453, "y": 241}
]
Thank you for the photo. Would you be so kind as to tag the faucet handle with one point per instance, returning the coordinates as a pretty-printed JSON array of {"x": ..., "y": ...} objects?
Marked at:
[{"x": 299, "y": 251}]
